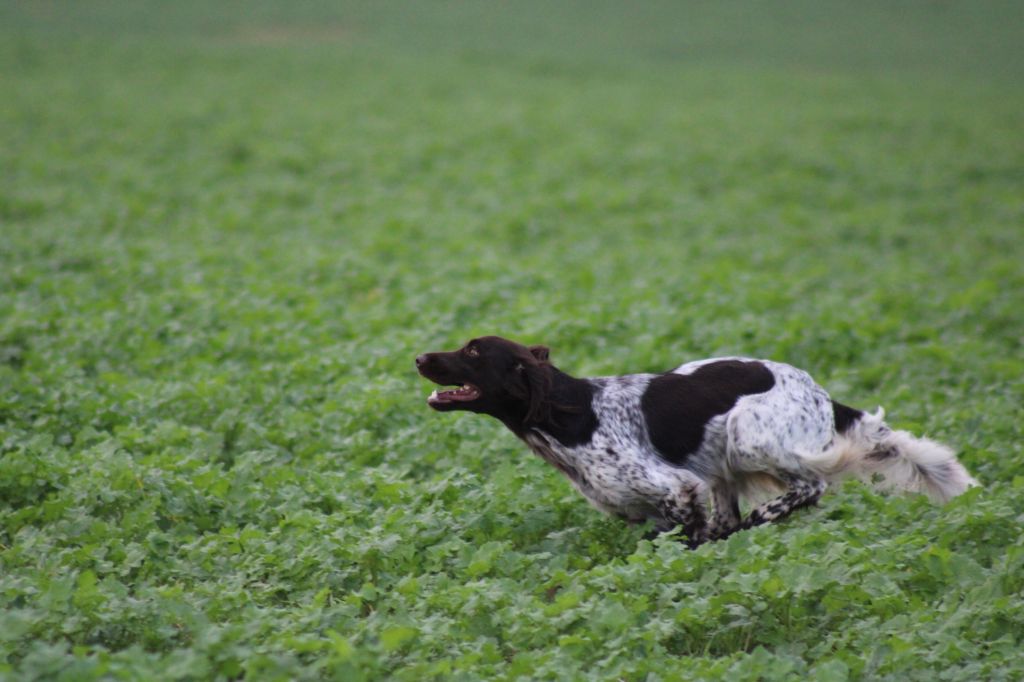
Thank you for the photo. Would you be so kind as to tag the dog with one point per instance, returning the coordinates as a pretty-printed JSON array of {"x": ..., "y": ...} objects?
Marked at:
[{"x": 682, "y": 448}]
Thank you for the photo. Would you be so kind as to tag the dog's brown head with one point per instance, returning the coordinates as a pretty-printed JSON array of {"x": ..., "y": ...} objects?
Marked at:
[{"x": 494, "y": 376}]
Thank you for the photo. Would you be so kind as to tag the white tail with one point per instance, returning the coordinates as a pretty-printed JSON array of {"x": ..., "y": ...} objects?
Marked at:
[{"x": 893, "y": 460}]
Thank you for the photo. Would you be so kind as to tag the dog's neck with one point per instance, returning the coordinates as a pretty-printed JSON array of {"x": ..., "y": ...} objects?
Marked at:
[{"x": 570, "y": 418}]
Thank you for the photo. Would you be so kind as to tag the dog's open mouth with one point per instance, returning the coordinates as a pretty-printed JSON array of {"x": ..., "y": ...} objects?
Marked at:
[{"x": 464, "y": 393}]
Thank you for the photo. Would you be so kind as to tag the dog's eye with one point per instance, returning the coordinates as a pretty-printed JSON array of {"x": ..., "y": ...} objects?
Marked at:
[{"x": 472, "y": 352}]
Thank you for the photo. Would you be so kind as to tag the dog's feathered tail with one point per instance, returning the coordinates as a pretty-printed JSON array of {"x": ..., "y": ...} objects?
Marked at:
[{"x": 892, "y": 460}]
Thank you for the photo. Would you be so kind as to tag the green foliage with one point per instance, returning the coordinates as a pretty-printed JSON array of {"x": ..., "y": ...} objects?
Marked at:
[{"x": 225, "y": 234}]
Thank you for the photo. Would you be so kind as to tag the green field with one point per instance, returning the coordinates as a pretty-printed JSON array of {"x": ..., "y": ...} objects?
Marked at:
[{"x": 226, "y": 230}]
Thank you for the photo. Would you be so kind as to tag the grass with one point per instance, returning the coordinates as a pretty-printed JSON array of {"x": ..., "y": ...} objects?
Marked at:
[{"x": 225, "y": 231}]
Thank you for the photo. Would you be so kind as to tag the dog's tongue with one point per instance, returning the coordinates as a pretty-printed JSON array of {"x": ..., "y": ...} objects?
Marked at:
[{"x": 463, "y": 393}]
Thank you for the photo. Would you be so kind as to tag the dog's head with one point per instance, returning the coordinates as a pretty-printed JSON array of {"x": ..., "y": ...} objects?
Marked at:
[{"x": 494, "y": 376}]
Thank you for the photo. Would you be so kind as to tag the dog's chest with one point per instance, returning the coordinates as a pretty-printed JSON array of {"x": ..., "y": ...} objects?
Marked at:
[{"x": 616, "y": 480}]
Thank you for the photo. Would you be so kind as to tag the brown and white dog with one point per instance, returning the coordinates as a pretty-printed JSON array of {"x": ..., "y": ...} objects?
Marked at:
[{"x": 661, "y": 447}]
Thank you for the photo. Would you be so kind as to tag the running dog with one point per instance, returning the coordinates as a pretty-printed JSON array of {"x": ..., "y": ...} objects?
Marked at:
[{"x": 683, "y": 447}]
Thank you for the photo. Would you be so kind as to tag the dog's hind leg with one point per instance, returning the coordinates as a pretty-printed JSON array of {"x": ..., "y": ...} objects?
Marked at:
[
  {"x": 766, "y": 435},
  {"x": 801, "y": 492}
]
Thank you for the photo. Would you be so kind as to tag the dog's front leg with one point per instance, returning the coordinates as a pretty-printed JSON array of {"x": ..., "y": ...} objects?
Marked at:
[
  {"x": 685, "y": 508},
  {"x": 726, "y": 517}
]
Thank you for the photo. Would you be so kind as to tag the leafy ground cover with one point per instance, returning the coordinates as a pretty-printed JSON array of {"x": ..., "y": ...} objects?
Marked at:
[{"x": 225, "y": 231}]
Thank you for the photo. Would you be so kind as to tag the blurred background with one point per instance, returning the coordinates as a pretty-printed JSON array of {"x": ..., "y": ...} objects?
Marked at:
[
  {"x": 909, "y": 38},
  {"x": 227, "y": 228},
  {"x": 194, "y": 186},
  {"x": 524, "y": 164}
]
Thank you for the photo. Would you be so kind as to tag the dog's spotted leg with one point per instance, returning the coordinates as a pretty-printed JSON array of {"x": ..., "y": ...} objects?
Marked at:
[
  {"x": 726, "y": 516},
  {"x": 685, "y": 508},
  {"x": 802, "y": 492}
]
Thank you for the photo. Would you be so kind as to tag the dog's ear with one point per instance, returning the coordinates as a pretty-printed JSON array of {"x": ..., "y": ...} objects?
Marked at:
[{"x": 540, "y": 352}]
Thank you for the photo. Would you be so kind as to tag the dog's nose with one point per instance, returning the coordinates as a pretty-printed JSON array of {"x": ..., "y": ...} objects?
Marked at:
[{"x": 421, "y": 360}]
